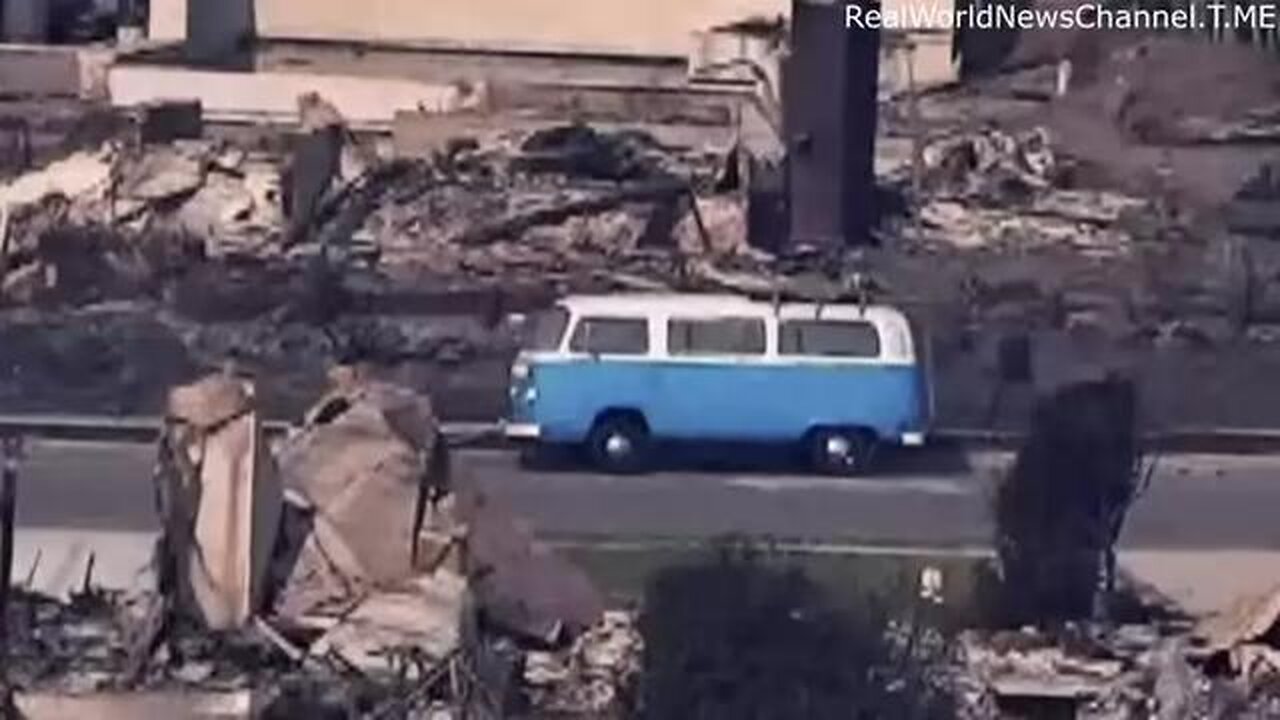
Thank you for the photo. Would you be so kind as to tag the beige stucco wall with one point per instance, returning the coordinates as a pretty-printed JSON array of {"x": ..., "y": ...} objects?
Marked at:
[
  {"x": 651, "y": 27},
  {"x": 626, "y": 26},
  {"x": 273, "y": 97},
  {"x": 167, "y": 20},
  {"x": 927, "y": 62}
]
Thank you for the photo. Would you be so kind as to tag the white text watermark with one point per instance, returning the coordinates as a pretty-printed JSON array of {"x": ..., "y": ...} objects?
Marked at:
[{"x": 1216, "y": 14}]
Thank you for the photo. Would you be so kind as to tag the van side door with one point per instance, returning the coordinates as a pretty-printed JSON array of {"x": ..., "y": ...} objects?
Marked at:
[
  {"x": 840, "y": 378},
  {"x": 715, "y": 378},
  {"x": 608, "y": 367}
]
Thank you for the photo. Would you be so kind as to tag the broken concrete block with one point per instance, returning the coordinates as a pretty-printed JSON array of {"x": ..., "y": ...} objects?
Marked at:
[
  {"x": 719, "y": 227},
  {"x": 161, "y": 175},
  {"x": 962, "y": 227},
  {"x": 1250, "y": 619},
  {"x": 1086, "y": 205},
  {"x": 315, "y": 113},
  {"x": 362, "y": 456},
  {"x": 237, "y": 523},
  {"x": 83, "y": 174},
  {"x": 425, "y": 617},
  {"x": 589, "y": 678},
  {"x": 1256, "y": 661},
  {"x": 163, "y": 122},
  {"x": 231, "y": 159},
  {"x": 220, "y": 210},
  {"x": 421, "y": 135},
  {"x": 210, "y": 402},
  {"x": 223, "y": 502},
  {"x": 176, "y": 705},
  {"x": 318, "y": 574},
  {"x": 442, "y": 542},
  {"x": 522, "y": 586}
]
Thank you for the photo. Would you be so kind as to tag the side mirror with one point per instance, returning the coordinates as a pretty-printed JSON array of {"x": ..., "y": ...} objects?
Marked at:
[{"x": 516, "y": 326}]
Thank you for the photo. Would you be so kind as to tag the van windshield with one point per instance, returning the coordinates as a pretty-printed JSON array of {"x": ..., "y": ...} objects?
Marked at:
[{"x": 546, "y": 330}]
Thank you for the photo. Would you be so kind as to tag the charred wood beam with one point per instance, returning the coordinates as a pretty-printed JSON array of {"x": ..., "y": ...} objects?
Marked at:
[{"x": 516, "y": 224}]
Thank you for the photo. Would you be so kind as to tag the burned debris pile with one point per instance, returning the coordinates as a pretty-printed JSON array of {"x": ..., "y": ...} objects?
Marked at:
[
  {"x": 598, "y": 677},
  {"x": 203, "y": 247},
  {"x": 305, "y": 249},
  {"x": 294, "y": 248},
  {"x": 573, "y": 204},
  {"x": 1068, "y": 636},
  {"x": 1169, "y": 669},
  {"x": 1235, "y": 103},
  {"x": 347, "y": 559},
  {"x": 1000, "y": 191},
  {"x": 1056, "y": 218}
]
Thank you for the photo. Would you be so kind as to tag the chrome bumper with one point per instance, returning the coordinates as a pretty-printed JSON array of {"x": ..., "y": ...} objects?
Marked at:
[
  {"x": 521, "y": 431},
  {"x": 913, "y": 439}
]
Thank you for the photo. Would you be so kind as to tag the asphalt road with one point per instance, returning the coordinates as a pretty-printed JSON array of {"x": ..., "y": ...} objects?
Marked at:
[{"x": 1195, "y": 501}]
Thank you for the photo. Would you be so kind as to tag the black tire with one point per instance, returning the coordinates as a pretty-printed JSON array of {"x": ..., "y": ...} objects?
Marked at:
[
  {"x": 840, "y": 452},
  {"x": 619, "y": 444}
]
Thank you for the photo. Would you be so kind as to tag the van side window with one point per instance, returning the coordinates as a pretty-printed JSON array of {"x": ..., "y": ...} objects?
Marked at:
[
  {"x": 717, "y": 336},
  {"x": 547, "y": 330},
  {"x": 611, "y": 336},
  {"x": 828, "y": 338}
]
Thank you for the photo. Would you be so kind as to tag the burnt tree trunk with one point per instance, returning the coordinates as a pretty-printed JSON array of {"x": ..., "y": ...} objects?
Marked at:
[{"x": 1060, "y": 512}]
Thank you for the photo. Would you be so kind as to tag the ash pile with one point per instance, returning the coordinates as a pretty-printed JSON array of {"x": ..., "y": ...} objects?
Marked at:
[
  {"x": 1004, "y": 191},
  {"x": 1223, "y": 668},
  {"x": 1078, "y": 197},
  {"x": 292, "y": 250},
  {"x": 562, "y": 205},
  {"x": 343, "y": 574}
]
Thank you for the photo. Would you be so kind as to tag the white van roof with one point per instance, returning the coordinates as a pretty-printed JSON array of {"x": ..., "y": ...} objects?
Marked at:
[{"x": 693, "y": 304}]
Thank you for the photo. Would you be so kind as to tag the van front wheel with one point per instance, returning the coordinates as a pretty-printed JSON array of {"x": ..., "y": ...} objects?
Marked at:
[
  {"x": 838, "y": 451},
  {"x": 619, "y": 444}
]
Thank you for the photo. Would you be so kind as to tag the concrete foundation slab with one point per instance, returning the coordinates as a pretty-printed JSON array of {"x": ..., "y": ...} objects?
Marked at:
[
  {"x": 273, "y": 97},
  {"x": 172, "y": 705},
  {"x": 1203, "y": 583}
]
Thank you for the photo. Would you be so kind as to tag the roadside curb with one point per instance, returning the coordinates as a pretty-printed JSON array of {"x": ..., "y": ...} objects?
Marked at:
[
  {"x": 104, "y": 428},
  {"x": 1208, "y": 441},
  {"x": 1181, "y": 441}
]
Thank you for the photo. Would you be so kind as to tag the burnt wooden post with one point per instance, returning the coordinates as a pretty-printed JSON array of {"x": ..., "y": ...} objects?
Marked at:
[
  {"x": 12, "y": 451},
  {"x": 830, "y": 82}
]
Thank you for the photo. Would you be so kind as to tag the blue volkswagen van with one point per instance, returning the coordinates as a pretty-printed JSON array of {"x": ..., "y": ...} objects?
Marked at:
[{"x": 616, "y": 373}]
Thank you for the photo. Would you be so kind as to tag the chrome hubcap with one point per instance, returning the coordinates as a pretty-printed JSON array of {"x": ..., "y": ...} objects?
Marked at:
[
  {"x": 839, "y": 450},
  {"x": 617, "y": 445}
]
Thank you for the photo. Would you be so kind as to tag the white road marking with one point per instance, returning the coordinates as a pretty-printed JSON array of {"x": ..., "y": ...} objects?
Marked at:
[
  {"x": 880, "y": 486},
  {"x": 835, "y": 549}
]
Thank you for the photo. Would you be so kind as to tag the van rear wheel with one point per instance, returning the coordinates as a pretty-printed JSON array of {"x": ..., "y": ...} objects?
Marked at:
[
  {"x": 619, "y": 444},
  {"x": 840, "y": 452}
]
